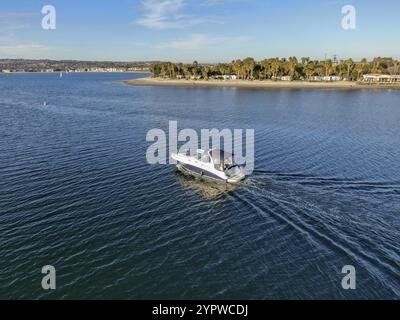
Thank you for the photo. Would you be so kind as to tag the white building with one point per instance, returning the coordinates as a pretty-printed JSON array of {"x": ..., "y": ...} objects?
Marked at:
[
  {"x": 381, "y": 78},
  {"x": 286, "y": 78},
  {"x": 331, "y": 78},
  {"x": 225, "y": 77},
  {"x": 229, "y": 77},
  {"x": 316, "y": 78}
]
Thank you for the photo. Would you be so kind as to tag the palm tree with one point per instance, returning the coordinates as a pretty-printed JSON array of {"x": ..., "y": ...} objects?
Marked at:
[
  {"x": 205, "y": 72},
  {"x": 238, "y": 68},
  {"x": 292, "y": 66},
  {"x": 275, "y": 66},
  {"x": 305, "y": 60},
  {"x": 377, "y": 65},
  {"x": 328, "y": 67},
  {"x": 396, "y": 66},
  {"x": 248, "y": 65},
  {"x": 349, "y": 63},
  {"x": 361, "y": 68},
  {"x": 309, "y": 70}
]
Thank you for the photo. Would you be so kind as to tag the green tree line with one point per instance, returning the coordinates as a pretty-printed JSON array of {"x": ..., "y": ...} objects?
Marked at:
[{"x": 275, "y": 68}]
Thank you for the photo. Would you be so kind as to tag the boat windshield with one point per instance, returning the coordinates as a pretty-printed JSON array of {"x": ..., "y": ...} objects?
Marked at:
[
  {"x": 233, "y": 171},
  {"x": 200, "y": 154},
  {"x": 222, "y": 160},
  {"x": 206, "y": 158}
]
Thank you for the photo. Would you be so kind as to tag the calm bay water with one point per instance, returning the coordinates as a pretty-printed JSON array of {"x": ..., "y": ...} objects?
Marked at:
[{"x": 76, "y": 192}]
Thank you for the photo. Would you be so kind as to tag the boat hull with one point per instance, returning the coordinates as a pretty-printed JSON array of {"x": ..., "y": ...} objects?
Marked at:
[
  {"x": 204, "y": 170},
  {"x": 187, "y": 168}
]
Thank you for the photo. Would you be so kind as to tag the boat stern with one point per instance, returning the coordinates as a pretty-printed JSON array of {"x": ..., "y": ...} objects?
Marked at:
[{"x": 235, "y": 175}]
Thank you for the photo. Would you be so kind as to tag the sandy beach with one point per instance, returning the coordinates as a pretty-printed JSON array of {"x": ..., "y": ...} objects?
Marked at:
[{"x": 254, "y": 84}]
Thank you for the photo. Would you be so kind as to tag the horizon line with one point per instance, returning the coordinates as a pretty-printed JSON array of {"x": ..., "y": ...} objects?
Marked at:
[{"x": 199, "y": 61}]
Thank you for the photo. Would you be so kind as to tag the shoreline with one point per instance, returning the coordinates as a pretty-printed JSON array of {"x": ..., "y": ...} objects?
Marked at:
[
  {"x": 57, "y": 72},
  {"x": 266, "y": 84}
]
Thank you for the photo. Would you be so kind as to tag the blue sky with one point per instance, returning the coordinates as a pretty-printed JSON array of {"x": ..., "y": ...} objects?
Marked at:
[{"x": 203, "y": 30}]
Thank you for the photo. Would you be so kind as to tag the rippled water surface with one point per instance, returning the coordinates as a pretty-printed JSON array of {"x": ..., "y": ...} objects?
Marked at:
[{"x": 76, "y": 192}]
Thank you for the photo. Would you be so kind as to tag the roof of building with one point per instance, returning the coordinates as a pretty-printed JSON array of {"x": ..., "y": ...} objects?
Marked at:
[{"x": 386, "y": 76}]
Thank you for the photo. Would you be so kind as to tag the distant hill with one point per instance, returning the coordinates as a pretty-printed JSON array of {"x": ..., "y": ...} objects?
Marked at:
[{"x": 72, "y": 65}]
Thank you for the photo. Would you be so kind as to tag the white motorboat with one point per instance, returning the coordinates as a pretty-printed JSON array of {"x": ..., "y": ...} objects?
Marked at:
[{"x": 213, "y": 164}]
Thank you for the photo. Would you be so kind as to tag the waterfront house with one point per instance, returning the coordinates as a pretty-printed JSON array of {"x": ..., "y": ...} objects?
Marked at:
[
  {"x": 286, "y": 78},
  {"x": 331, "y": 78},
  {"x": 316, "y": 78},
  {"x": 229, "y": 77},
  {"x": 225, "y": 77},
  {"x": 381, "y": 78}
]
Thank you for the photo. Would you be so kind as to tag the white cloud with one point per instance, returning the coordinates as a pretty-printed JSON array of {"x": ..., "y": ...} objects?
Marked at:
[
  {"x": 168, "y": 14},
  {"x": 199, "y": 41},
  {"x": 11, "y": 24},
  {"x": 23, "y": 50},
  {"x": 210, "y": 3}
]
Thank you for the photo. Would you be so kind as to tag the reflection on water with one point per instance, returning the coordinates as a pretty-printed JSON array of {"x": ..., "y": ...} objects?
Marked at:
[{"x": 207, "y": 188}]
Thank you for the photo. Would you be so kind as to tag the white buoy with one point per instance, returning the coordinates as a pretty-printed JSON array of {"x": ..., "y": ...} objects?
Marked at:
[{"x": 44, "y": 103}]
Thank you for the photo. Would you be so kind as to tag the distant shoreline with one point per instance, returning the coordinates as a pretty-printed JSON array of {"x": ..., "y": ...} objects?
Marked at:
[
  {"x": 58, "y": 72},
  {"x": 255, "y": 84}
]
